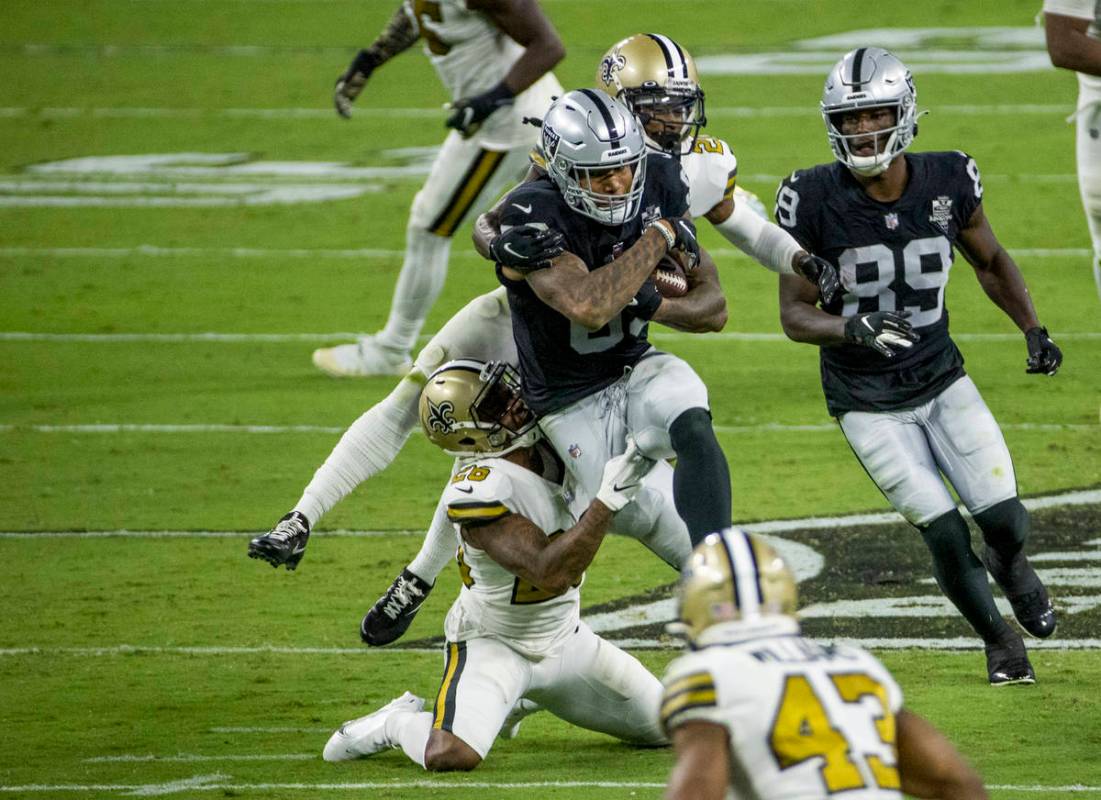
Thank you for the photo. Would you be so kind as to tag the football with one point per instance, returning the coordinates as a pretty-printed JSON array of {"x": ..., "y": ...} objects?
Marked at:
[{"x": 669, "y": 277}]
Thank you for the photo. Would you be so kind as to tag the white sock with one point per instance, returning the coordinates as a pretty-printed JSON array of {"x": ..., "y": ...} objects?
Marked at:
[
  {"x": 438, "y": 547},
  {"x": 411, "y": 731},
  {"x": 422, "y": 276},
  {"x": 365, "y": 450},
  {"x": 1097, "y": 274}
]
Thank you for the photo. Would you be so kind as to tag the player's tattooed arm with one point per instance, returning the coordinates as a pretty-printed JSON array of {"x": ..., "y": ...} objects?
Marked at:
[
  {"x": 997, "y": 272},
  {"x": 399, "y": 35},
  {"x": 703, "y": 309},
  {"x": 553, "y": 564},
  {"x": 591, "y": 299}
]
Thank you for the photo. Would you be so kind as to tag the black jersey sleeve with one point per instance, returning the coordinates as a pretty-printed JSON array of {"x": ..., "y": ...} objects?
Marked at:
[
  {"x": 534, "y": 203},
  {"x": 795, "y": 201},
  {"x": 968, "y": 188}
]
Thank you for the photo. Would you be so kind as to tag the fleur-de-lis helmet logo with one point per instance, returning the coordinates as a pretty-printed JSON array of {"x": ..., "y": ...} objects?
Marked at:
[
  {"x": 611, "y": 63},
  {"x": 440, "y": 417}
]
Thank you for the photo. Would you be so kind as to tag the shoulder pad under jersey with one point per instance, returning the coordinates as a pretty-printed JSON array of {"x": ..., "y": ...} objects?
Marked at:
[{"x": 478, "y": 492}]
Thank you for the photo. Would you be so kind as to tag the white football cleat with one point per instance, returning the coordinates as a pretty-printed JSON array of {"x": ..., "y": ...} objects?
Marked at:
[
  {"x": 367, "y": 735},
  {"x": 510, "y": 729},
  {"x": 366, "y": 357}
]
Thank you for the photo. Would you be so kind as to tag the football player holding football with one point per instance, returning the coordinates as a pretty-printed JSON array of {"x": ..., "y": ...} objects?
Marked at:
[
  {"x": 494, "y": 58},
  {"x": 515, "y": 629},
  {"x": 889, "y": 220},
  {"x": 640, "y": 74},
  {"x": 657, "y": 79},
  {"x": 756, "y": 710}
]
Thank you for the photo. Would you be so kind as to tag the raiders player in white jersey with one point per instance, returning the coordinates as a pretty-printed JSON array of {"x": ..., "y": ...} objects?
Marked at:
[
  {"x": 891, "y": 374},
  {"x": 757, "y": 711},
  {"x": 483, "y": 328},
  {"x": 515, "y": 631},
  {"x": 494, "y": 58},
  {"x": 1073, "y": 29}
]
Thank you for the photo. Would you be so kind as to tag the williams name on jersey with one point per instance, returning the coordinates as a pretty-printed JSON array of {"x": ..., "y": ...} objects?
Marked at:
[
  {"x": 891, "y": 257},
  {"x": 561, "y": 361}
]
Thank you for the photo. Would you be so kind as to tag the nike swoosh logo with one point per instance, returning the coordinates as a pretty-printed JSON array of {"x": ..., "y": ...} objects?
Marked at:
[
  {"x": 508, "y": 248},
  {"x": 867, "y": 325},
  {"x": 619, "y": 488},
  {"x": 525, "y": 209},
  {"x": 467, "y": 491}
]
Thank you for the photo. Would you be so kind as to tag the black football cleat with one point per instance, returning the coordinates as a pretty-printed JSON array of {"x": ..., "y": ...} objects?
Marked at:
[
  {"x": 1025, "y": 592},
  {"x": 393, "y": 613},
  {"x": 1007, "y": 663},
  {"x": 283, "y": 545}
]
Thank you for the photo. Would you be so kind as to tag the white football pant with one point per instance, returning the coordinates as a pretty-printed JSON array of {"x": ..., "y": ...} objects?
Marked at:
[
  {"x": 1088, "y": 151},
  {"x": 906, "y": 451}
]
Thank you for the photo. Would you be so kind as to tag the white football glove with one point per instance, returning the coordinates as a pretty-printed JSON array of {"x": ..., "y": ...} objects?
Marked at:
[{"x": 623, "y": 477}]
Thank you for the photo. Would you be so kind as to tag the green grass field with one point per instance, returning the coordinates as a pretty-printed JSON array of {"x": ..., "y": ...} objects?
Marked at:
[{"x": 156, "y": 378}]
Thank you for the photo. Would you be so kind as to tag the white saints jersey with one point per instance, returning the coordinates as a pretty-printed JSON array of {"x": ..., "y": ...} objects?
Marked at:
[
  {"x": 711, "y": 169},
  {"x": 1081, "y": 9},
  {"x": 493, "y": 601},
  {"x": 804, "y": 720},
  {"x": 470, "y": 53}
]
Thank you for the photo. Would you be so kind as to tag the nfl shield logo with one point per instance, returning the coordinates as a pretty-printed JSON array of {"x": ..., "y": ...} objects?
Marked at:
[{"x": 891, "y": 220}]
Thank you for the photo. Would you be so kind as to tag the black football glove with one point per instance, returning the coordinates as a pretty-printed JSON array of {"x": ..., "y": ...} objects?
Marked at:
[
  {"x": 468, "y": 114},
  {"x": 1043, "y": 354},
  {"x": 887, "y": 332},
  {"x": 527, "y": 248},
  {"x": 822, "y": 273},
  {"x": 285, "y": 544},
  {"x": 686, "y": 241},
  {"x": 351, "y": 83}
]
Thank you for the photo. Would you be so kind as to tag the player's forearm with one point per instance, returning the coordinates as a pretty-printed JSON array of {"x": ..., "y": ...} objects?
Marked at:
[
  {"x": 1069, "y": 47},
  {"x": 802, "y": 320},
  {"x": 592, "y": 299},
  {"x": 398, "y": 36},
  {"x": 1005, "y": 286},
  {"x": 766, "y": 243},
  {"x": 564, "y": 560},
  {"x": 527, "y": 25},
  {"x": 538, "y": 59},
  {"x": 703, "y": 309},
  {"x": 486, "y": 228}
]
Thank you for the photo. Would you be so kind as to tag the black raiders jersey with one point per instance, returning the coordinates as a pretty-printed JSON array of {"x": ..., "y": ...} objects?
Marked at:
[
  {"x": 561, "y": 361},
  {"x": 894, "y": 256}
]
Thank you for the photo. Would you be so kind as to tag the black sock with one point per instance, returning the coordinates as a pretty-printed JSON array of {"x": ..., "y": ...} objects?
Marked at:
[
  {"x": 701, "y": 479},
  {"x": 962, "y": 577},
  {"x": 1004, "y": 528}
]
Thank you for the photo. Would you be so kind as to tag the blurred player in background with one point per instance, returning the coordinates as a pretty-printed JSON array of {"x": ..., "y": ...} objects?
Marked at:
[
  {"x": 755, "y": 710},
  {"x": 515, "y": 630},
  {"x": 891, "y": 374},
  {"x": 1073, "y": 29},
  {"x": 494, "y": 58}
]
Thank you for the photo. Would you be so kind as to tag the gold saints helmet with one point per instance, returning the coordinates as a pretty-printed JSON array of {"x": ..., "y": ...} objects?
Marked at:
[
  {"x": 732, "y": 576},
  {"x": 468, "y": 407},
  {"x": 657, "y": 79}
]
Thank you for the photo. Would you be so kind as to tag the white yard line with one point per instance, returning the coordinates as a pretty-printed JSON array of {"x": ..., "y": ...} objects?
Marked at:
[
  {"x": 155, "y": 428},
  {"x": 1074, "y": 498},
  {"x": 155, "y": 251},
  {"x": 188, "y": 758},
  {"x": 408, "y": 112},
  {"x": 206, "y": 783}
]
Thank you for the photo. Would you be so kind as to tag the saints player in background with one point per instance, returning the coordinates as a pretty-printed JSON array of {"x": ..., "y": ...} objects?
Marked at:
[
  {"x": 657, "y": 79},
  {"x": 515, "y": 630},
  {"x": 1073, "y": 29},
  {"x": 494, "y": 58},
  {"x": 891, "y": 374},
  {"x": 755, "y": 710}
]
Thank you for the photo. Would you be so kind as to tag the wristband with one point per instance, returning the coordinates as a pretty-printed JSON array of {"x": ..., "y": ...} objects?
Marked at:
[{"x": 670, "y": 238}]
